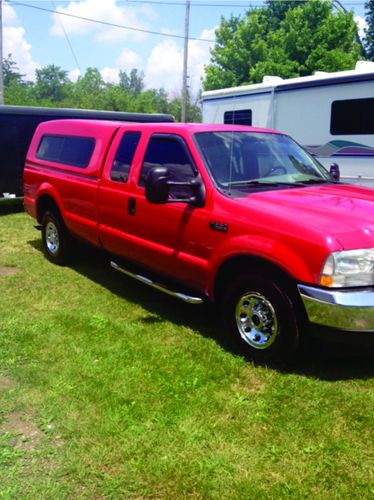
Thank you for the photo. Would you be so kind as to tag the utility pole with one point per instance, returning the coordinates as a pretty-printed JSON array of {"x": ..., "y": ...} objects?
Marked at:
[
  {"x": 185, "y": 61},
  {"x": 1, "y": 57}
]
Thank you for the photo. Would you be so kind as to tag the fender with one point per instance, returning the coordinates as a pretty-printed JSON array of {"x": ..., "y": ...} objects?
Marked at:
[
  {"x": 47, "y": 188},
  {"x": 302, "y": 267}
]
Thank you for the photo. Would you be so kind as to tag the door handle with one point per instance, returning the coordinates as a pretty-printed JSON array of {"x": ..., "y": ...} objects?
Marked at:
[{"x": 131, "y": 206}]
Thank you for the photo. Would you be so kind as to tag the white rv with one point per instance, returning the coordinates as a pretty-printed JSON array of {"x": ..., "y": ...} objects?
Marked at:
[{"x": 329, "y": 114}]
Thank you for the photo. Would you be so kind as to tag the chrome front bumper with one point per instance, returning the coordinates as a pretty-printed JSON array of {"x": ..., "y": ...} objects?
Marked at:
[{"x": 351, "y": 310}]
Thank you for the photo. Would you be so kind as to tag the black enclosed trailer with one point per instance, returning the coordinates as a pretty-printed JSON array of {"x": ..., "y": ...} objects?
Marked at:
[{"x": 17, "y": 126}]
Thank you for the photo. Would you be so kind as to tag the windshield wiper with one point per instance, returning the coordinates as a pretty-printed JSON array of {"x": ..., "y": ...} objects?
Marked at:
[
  {"x": 306, "y": 182},
  {"x": 316, "y": 181},
  {"x": 264, "y": 183}
]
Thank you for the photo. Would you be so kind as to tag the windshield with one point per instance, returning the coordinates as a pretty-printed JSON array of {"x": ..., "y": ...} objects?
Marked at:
[{"x": 246, "y": 159}]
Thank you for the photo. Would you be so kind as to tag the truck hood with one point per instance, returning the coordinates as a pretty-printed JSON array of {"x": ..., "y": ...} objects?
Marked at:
[{"x": 344, "y": 212}]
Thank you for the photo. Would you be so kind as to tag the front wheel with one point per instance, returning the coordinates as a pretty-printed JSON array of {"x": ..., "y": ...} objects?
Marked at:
[
  {"x": 56, "y": 239},
  {"x": 263, "y": 314}
]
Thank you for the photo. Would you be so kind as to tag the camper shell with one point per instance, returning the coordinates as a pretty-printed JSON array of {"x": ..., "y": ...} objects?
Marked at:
[
  {"x": 17, "y": 127},
  {"x": 329, "y": 114}
]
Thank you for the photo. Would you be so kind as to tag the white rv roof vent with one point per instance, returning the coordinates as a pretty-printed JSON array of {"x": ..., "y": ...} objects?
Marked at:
[{"x": 272, "y": 80}]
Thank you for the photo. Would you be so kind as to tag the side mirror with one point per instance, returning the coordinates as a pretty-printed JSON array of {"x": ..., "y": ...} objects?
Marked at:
[
  {"x": 158, "y": 184},
  {"x": 335, "y": 172}
]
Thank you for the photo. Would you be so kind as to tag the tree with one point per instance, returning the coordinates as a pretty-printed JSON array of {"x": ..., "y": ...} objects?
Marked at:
[
  {"x": 91, "y": 82},
  {"x": 277, "y": 10},
  {"x": 53, "y": 88},
  {"x": 20, "y": 94},
  {"x": 11, "y": 72},
  {"x": 369, "y": 35},
  {"x": 133, "y": 83},
  {"x": 90, "y": 90},
  {"x": 51, "y": 83},
  {"x": 284, "y": 38}
]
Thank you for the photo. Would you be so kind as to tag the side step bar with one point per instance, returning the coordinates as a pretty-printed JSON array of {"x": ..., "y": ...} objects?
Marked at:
[{"x": 179, "y": 295}]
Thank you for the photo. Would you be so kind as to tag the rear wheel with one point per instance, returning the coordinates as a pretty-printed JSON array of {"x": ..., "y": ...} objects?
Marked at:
[
  {"x": 56, "y": 239},
  {"x": 262, "y": 313}
]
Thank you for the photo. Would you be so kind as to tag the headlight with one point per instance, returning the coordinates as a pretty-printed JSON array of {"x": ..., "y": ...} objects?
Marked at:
[{"x": 349, "y": 268}]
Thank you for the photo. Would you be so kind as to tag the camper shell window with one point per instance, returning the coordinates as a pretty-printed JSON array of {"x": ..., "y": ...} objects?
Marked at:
[
  {"x": 238, "y": 117},
  {"x": 69, "y": 150},
  {"x": 352, "y": 117}
]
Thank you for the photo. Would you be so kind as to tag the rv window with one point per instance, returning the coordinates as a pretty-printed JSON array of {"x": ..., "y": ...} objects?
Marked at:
[
  {"x": 238, "y": 117},
  {"x": 353, "y": 116},
  {"x": 124, "y": 156},
  {"x": 70, "y": 150}
]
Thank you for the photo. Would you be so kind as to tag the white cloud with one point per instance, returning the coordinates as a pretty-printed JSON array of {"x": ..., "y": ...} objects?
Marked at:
[
  {"x": 15, "y": 43},
  {"x": 110, "y": 75},
  {"x": 361, "y": 25},
  {"x": 199, "y": 57},
  {"x": 106, "y": 11},
  {"x": 164, "y": 67},
  {"x": 9, "y": 15},
  {"x": 165, "y": 64},
  {"x": 128, "y": 59},
  {"x": 74, "y": 74}
]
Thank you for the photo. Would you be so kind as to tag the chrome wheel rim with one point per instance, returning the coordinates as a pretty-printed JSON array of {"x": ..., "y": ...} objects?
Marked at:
[
  {"x": 52, "y": 239},
  {"x": 256, "y": 320}
]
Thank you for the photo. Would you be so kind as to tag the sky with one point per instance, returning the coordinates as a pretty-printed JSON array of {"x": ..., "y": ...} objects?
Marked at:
[{"x": 37, "y": 37}]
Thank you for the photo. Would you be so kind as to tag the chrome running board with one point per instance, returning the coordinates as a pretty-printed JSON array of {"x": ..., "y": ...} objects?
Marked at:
[{"x": 190, "y": 299}]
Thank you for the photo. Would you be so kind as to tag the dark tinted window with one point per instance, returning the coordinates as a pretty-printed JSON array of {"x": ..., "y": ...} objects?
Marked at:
[
  {"x": 173, "y": 154},
  {"x": 69, "y": 150},
  {"x": 239, "y": 117},
  {"x": 354, "y": 116},
  {"x": 124, "y": 156}
]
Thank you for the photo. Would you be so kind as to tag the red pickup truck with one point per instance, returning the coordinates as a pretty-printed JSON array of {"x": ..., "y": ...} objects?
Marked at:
[{"x": 238, "y": 216}]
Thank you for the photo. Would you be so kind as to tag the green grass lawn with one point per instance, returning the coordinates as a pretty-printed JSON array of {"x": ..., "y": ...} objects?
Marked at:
[{"x": 109, "y": 389}]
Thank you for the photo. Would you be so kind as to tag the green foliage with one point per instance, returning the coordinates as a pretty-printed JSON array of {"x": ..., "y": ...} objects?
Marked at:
[
  {"x": 369, "y": 38},
  {"x": 284, "y": 38},
  {"x": 133, "y": 83},
  {"x": 51, "y": 83},
  {"x": 54, "y": 89},
  {"x": 11, "y": 72}
]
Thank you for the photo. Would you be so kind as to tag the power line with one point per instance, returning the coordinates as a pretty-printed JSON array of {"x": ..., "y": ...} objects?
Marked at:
[
  {"x": 228, "y": 4},
  {"x": 223, "y": 3},
  {"x": 105, "y": 23},
  {"x": 151, "y": 32},
  {"x": 67, "y": 38},
  {"x": 197, "y": 4}
]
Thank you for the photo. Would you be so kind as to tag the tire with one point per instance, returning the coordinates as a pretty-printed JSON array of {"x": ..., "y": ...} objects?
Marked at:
[
  {"x": 263, "y": 316},
  {"x": 56, "y": 239}
]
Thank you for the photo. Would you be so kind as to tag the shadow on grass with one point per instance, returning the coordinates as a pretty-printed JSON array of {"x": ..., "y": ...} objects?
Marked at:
[
  {"x": 319, "y": 359},
  {"x": 10, "y": 207}
]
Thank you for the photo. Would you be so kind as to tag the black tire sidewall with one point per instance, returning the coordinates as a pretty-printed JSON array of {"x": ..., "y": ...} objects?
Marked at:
[
  {"x": 286, "y": 343},
  {"x": 61, "y": 256}
]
